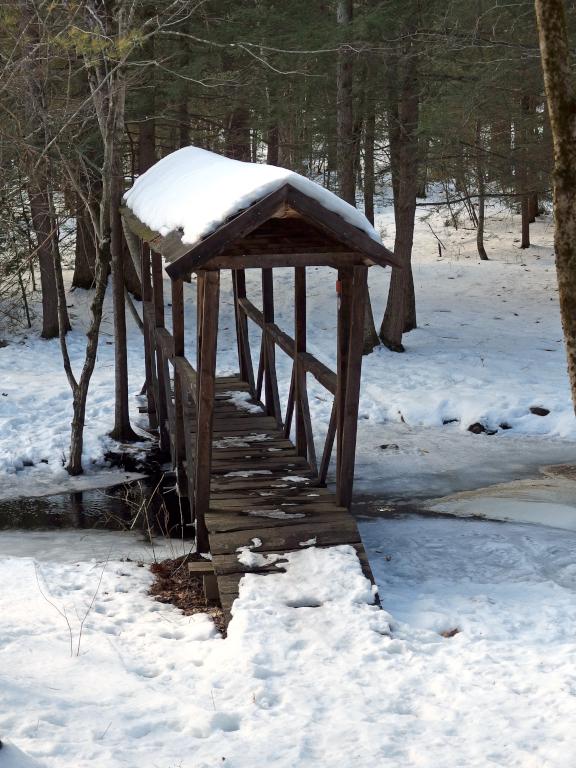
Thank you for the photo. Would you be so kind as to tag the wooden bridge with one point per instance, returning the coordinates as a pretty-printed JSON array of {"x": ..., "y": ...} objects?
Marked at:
[
  {"x": 263, "y": 492},
  {"x": 249, "y": 487}
]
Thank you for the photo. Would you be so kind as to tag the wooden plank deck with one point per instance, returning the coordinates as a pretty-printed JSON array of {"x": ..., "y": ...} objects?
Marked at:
[{"x": 261, "y": 489}]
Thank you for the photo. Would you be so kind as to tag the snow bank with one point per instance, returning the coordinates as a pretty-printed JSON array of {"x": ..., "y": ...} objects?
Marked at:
[
  {"x": 196, "y": 191},
  {"x": 312, "y": 673}
]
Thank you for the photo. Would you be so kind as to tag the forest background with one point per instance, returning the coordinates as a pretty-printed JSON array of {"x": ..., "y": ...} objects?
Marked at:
[{"x": 424, "y": 104}]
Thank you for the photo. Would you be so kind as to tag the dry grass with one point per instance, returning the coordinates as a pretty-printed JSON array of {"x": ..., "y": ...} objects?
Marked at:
[{"x": 175, "y": 585}]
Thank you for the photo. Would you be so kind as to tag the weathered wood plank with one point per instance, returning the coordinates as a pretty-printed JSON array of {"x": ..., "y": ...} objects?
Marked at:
[
  {"x": 287, "y": 537},
  {"x": 227, "y": 522},
  {"x": 206, "y": 380}
]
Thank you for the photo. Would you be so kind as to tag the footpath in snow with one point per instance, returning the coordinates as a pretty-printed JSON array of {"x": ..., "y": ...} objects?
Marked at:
[{"x": 470, "y": 665}]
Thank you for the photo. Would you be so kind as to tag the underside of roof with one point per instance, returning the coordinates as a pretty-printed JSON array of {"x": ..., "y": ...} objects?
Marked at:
[{"x": 281, "y": 228}]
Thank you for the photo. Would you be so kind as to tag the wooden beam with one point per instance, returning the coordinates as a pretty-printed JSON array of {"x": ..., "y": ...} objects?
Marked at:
[
  {"x": 354, "y": 370},
  {"x": 178, "y": 351},
  {"x": 243, "y": 340},
  {"x": 188, "y": 377},
  {"x": 234, "y": 259},
  {"x": 206, "y": 393},
  {"x": 344, "y": 288},
  {"x": 237, "y": 228},
  {"x": 272, "y": 397},
  {"x": 311, "y": 364},
  {"x": 299, "y": 347},
  {"x": 347, "y": 233},
  {"x": 134, "y": 250},
  {"x": 158, "y": 301},
  {"x": 328, "y": 446},
  {"x": 146, "y": 301},
  {"x": 187, "y": 259}
]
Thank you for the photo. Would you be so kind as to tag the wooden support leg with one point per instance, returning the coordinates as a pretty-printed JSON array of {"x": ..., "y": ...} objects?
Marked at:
[
  {"x": 299, "y": 346},
  {"x": 328, "y": 445},
  {"x": 272, "y": 397},
  {"x": 178, "y": 333},
  {"x": 146, "y": 303},
  {"x": 206, "y": 392},
  {"x": 243, "y": 341},
  {"x": 158, "y": 295},
  {"x": 290, "y": 405},
  {"x": 354, "y": 369},
  {"x": 344, "y": 307}
]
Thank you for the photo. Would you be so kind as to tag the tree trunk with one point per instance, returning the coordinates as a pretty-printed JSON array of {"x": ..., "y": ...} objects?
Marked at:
[
  {"x": 558, "y": 81},
  {"x": 481, "y": 217},
  {"x": 345, "y": 148},
  {"x": 122, "y": 429},
  {"x": 344, "y": 110},
  {"x": 481, "y": 193},
  {"x": 238, "y": 134},
  {"x": 533, "y": 206},
  {"x": 147, "y": 125},
  {"x": 525, "y": 208},
  {"x": 369, "y": 186},
  {"x": 47, "y": 240},
  {"x": 74, "y": 466},
  {"x": 400, "y": 314},
  {"x": 85, "y": 249},
  {"x": 272, "y": 153}
]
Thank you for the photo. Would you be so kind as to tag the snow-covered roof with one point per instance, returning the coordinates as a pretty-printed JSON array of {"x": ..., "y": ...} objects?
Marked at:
[{"x": 196, "y": 191}]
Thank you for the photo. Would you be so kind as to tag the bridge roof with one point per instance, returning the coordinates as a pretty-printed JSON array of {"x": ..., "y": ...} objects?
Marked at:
[{"x": 193, "y": 206}]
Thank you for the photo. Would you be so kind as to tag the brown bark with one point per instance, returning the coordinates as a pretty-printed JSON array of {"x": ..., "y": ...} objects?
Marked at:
[
  {"x": 44, "y": 225},
  {"x": 369, "y": 186},
  {"x": 400, "y": 314},
  {"x": 533, "y": 206},
  {"x": 561, "y": 97},
  {"x": 238, "y": 134},
  {"x": 147, "y": 126},
  {"x": 122, "y": 429},
  {"x": 525, "y": 215},
  {"x": 272, "y": 154},
  {"x": 346, "y": 149},
  {"x": 344, "y": 110},
  {"x": 85, "y": 250},
  {"x": 481, "y": 194}
]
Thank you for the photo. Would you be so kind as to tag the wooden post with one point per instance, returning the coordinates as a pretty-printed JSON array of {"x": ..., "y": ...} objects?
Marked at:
[
  {"x": 272, "y": 398},
  {"x": 328, "y": 445},
  {"x": 210, "y": 282},
  {"x": 146, "y": 303},
  {"x": 158, "y": 295},
  {"x": 299, "y": 346},
  {"x": 344, "y": 288},
  {"x": 349, "y": 419},
  {"x": 178, "y": 334},
  {"x": 242, "y": 339},
  {"x": 290, "y": 404}
]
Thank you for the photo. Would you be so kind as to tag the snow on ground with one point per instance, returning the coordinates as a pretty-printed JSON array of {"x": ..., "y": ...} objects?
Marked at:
[
  {"x": 488, "y": 347},
  {"x": 311, "y": 674},
  {"x": 36, "y": 407}
]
